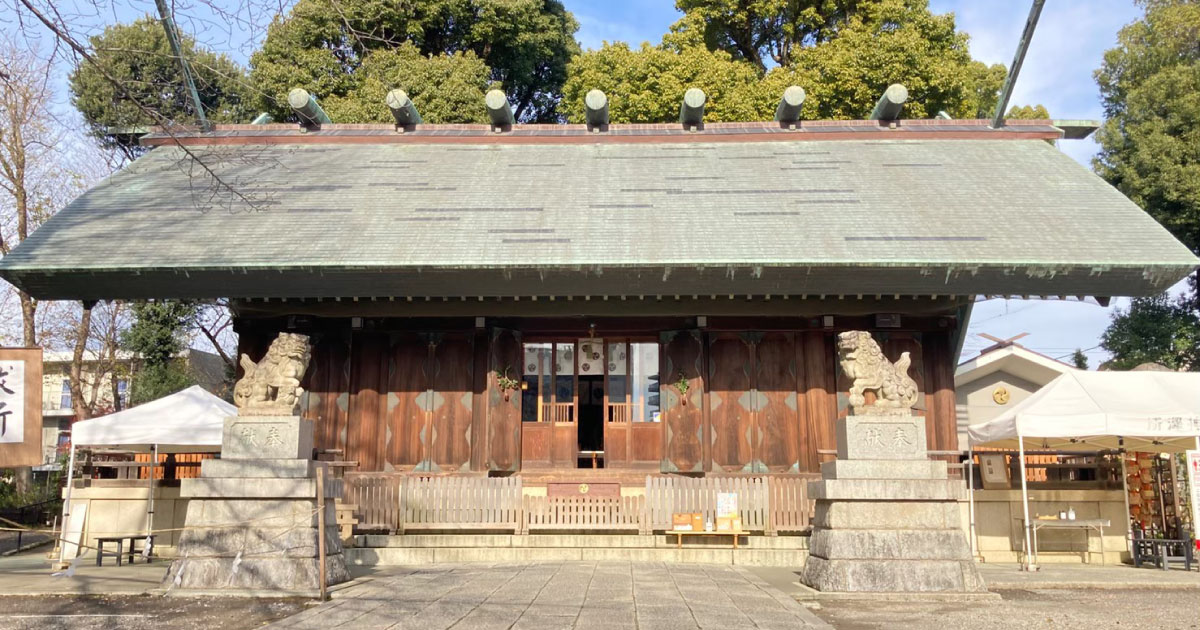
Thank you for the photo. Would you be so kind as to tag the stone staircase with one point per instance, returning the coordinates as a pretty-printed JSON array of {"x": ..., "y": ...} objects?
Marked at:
[{"x": 412, "y": 549}]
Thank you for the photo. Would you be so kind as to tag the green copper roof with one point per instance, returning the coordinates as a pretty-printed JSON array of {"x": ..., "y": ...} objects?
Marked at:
[{"x": 953, "y": 216}]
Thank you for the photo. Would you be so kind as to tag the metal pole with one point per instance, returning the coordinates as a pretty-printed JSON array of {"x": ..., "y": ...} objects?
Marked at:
[
  {"x": 1128, "y": 519},
  {"x": 971, "y": 498},
  {"x": 150, "y": 505},
  {"x": 1029, "y": 566},
  {"x": 321, "y": 529},
  {"x": 173, "y": 39},
  {"x": 1010, "y": 81},
  {"x": 62, "y": 532}
]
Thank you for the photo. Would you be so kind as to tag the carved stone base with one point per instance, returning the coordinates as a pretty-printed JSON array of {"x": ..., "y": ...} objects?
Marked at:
[
  {"x": 890, "y": 523},
  {"x": 252, "y": 521}
]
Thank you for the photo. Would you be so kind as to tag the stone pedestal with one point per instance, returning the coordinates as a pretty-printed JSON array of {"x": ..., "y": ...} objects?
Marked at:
[
  {"x": 252, "y": 518},
  {"x": 886, "y": 516}
]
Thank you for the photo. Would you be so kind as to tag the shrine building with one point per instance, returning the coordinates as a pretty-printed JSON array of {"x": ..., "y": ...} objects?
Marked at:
[{"x": 500, "y": 299}]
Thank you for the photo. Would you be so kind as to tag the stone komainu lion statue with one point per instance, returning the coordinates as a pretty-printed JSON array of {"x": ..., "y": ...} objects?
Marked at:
[
  {"x": 272, "y": 386},
  {"x": 864, "y": 363}
]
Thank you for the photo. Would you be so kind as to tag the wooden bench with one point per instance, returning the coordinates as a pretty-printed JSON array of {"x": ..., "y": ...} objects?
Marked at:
[
  {"x": 101, "y": 541},
  {"x": 679, "y": 534}
]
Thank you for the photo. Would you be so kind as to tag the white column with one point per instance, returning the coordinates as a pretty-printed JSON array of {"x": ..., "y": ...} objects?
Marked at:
[{"x": 971, "y": 499}]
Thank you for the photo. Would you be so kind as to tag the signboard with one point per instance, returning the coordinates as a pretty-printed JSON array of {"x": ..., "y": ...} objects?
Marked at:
[
  {"x": 1193, "y": 472},
  {"x": 993, "y": 472},
  {"x": 727, "y": 504},
  {"x": 20, "y": 407}
]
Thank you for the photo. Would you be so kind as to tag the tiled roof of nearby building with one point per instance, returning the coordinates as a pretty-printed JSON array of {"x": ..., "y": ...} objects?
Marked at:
[{"x": 930, "y": 207}]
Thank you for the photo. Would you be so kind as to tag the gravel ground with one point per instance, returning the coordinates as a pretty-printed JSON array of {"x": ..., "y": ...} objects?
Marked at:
[
  {"x": 1058, "y": 609},
  {"x": 142, "y": 612}
]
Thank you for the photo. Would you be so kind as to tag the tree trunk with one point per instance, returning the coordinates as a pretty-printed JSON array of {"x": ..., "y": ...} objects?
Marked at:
[
  {"x": 81, "y": 336},
  {"x": 28, "y": 323}
]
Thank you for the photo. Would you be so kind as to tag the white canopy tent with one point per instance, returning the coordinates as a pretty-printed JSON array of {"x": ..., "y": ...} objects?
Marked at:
[
  {"x": 1093, "y": 411},
  {"x": 189, "y": 421}
]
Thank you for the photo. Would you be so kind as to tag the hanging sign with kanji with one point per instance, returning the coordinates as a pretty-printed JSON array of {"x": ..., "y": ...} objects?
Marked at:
[{"x": 20, "y": 407}]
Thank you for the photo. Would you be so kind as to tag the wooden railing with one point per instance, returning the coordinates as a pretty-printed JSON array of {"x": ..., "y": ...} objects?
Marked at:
[
  {"x": 461, "y": 503},
  {"x": 377, "y": 496},
  {"x": 619, "y": 412},
  {"x": 558, "y": 412},
  {"x": 578, "y": 513},
  {"x": 789, "y": 508},
  {"x": 396, "y": 502},
  {"x": 667, "y": 495}
]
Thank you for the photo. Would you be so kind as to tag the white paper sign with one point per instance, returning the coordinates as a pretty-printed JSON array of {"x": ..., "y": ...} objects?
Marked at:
[
  {"x": 1193, "y": 466},
  {"x": 727, "y": 504},
  {"x": 12, "y": 402}
]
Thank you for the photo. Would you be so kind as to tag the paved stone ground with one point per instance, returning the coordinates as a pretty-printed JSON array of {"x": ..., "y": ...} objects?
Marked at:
[
  {"x": 554, "y": 596},
  {"x": 1060, "y": 609}
]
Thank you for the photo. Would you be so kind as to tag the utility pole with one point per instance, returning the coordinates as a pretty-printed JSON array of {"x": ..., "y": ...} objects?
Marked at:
[{"x": 168, "y": 23}]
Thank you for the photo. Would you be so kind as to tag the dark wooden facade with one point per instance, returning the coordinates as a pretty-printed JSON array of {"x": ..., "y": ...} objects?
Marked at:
[{"x": 762, "y": 394}]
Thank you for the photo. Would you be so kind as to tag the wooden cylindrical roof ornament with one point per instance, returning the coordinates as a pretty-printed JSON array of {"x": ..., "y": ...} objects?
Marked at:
[
  {"x": 595, "y": 105},
  {"x": 691, "y": 110},
  {"x": 891, "y": 103},
  {"x": 499, "y": 111},
  {"x": 403, "y": 109},
  {"x": 790, "y": 105},
  {"x": 306, "y": 108},
  {"x": 262, "y": 119}
]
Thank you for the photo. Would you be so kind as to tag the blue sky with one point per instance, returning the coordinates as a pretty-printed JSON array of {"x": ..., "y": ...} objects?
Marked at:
[{"x": 1071, "y": 38}]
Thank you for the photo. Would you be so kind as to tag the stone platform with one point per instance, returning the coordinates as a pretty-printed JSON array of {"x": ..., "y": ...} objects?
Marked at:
[
  {"x": 252, "y": 520},
  {"x": 887, "y": 517}
]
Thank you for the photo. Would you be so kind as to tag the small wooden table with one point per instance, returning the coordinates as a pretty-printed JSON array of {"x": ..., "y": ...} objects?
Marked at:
[
  {"x": 1086, "y": 524},
  {"x": 101, "y": 541},
  {"x": 679, "y": 534}
]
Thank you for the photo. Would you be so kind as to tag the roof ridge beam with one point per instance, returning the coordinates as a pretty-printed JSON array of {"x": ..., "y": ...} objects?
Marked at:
[
  {"x": 890, "y": 104},
  {"x": 787, "y": 113},
  {"x": 307, "y": 110},
  {"x": 403, "y": 110},
  {"x": 691, "y": 110}
]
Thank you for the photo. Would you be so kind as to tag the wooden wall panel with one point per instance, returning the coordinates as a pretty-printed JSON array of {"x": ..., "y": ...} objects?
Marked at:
[
  {"x": 328, "y": 390},
  {"x": 777, "y": 443},
  {"x": 450, "y": 404},
  {"x": 820, "y": 400},
  {"x": 504, "y": 413},
  {"x": 682, "y": 356},
  {"x": 407, "y": 381},
  {"x": 535, "y": 444},
  {"x": 730, "y": 404},
  {"x": 647, "y": 442},
  {"x": 616, "y": 444},
  {"x": 368, "y": 382},
  {"x": 942, "y": 416}
]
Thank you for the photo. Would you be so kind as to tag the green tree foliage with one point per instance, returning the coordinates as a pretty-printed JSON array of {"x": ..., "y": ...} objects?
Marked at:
[
  {"x": 762, "y": 32},
  {"x": 158, "y": 336},
  {"x": 1150, "y": 140},
  {"x": 1154, "y": 330},
  {"x": 327, "y": 48},
  {"x": 647, "y": 85},
  {"x": 1079, "y": 359},
  {"x": 1028, "y": 112},
  {"x": 135, "y": 60},
  {"x": 851, "y": 58}
]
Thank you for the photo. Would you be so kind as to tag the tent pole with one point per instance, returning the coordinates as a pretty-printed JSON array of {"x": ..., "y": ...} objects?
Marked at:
[
  {"x": 150, "y": 499},
  {"x": 1029, "y": 566},
  {"x": 62, "y": 530},
  {"x": 971, "y": 499},
  {"x": 1125, "y": 488}
]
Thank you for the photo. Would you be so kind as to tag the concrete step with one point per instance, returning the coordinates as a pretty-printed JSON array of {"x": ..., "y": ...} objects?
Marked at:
[
  {"x": 576, "y": 541},
  {"x": 393, "y": 556}
]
